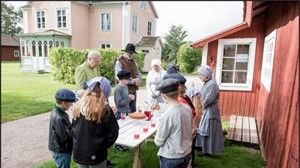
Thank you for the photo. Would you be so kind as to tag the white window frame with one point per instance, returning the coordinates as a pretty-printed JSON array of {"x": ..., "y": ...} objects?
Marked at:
[
  {"x": 36, "y": 21},
  {"x": 252, "y": 48},
  {"x": 143, "y": 5},
  {"x": 61, "y": 9},
  {"x": 105, "y": 27},
  {"x": 134, "y": 26},
  {"x": 150, "y": 28},
  {"x": 268, "y": 64},
  {"x": 105, "y": 43},
  {"x": 16, "y": 53}
]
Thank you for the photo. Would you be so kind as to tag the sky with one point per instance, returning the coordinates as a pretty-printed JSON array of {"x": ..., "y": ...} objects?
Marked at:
[{"x": 199, "y": 19}]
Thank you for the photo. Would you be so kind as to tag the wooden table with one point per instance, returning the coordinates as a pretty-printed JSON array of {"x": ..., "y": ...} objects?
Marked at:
[{"x": 129, "y": 127}]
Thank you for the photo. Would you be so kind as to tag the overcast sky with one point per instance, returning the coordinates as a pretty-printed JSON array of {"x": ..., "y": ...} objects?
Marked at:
[{"x": 200, "y": 19}]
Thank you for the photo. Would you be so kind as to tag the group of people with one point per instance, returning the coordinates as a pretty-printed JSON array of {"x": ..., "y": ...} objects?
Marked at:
[{"x": 191, "y": 118}]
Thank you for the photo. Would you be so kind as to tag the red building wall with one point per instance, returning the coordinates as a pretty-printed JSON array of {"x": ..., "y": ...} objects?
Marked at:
[
  {"x": 278, "y": 111},
  {"x": 7, "y": 53},
  {"x": 241, "y": 102}
]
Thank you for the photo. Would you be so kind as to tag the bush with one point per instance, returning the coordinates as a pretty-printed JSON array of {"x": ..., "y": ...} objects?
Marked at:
[
  {"x": 65, "y": 60},
  {"x": 188, "y": 58}
]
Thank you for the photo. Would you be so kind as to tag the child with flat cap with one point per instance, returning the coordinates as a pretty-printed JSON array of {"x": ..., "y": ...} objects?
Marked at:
[
  {"x": 174, "y": 135},
  {"x": 60, "y": 137},
  {"x": 122, "y": 99}
]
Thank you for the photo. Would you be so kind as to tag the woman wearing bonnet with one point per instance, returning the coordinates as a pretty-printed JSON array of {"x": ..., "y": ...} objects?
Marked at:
[{"x": 154, "y": 76}]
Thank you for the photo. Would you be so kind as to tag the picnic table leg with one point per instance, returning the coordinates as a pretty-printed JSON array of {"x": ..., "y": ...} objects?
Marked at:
[{"x": 137, "y": 157}]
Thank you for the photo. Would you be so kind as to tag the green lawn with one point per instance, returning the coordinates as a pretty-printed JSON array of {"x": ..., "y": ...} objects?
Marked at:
[
  {"x": 232, "y": 157},
  {"x": 25, "y": 94}
]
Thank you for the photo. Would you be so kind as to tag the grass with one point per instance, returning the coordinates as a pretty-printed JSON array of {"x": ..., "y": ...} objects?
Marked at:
[
  {"x": 233, "y": 157},
  {"x": 25, "y": 94}
]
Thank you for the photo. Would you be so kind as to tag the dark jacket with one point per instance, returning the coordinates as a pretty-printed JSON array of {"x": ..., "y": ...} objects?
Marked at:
[
  {"x": 60, "y": 136},
  {"x": 91, "y": 139}
]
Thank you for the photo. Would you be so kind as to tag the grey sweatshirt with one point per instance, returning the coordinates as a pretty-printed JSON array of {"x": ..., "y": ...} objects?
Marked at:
[
  {"x": 121, "y": 99},
  {"x": 174, "y": 133}
]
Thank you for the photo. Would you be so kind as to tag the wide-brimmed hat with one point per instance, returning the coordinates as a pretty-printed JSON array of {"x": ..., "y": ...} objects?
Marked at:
[{"x": 130, "y": 48}]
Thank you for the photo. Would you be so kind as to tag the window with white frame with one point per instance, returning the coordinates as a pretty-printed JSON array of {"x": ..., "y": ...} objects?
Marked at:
[
  {"x": 61, "y": 18},
  {"x": 134, "y": 23},
  {"x": 16, "y": 53},
  {"x": 143, "y": 5},
  {"x": 40, "y": 19},
  {"x": 105, "y": 45},
  {"x": 105, "y": 21},
  {"x": 149, "y": 28},
  {"x": 268, "y": 58},
  {"x": 235, "y": 63}
]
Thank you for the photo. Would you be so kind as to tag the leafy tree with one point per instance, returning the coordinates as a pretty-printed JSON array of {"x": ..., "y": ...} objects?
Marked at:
[
  {"x": 188, "y": 58},
  {"x": 10, "y": 17},
  {"x": 173, "y": 41}
]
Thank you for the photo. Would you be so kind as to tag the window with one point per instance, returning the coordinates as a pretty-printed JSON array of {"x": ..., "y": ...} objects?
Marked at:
[
  {"x": 149, "y": 29},
  {"x": 62, "y": 44},
  {"x": 145, "y": 51},
  {"x": 134, "y": 23},
  {"x": 61, "y": 18},
  {"x": 16, "y": 53},
  {"x": 268, "y": 58},
  {"x": 40, "y": 15},
  {"x": 105, "y": 21},
  {"x": 143, "y": 5},
  {"x": 40, "y": 49},
  {"x": 235, "y": 64},
  {"x": 45, "y": 49},
  {"x": 33, "y": 49},
  {"x": 106, "y": 45},
  {"x": 57, "y": 44}
]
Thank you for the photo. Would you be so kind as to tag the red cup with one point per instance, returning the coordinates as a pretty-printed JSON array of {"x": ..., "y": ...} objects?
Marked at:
[
  {"x": 136, "y": 136},
  {"x": 153, "y": 124},
  {"x": 145, "y": 129},
  {"x": 123, "y": 116}
]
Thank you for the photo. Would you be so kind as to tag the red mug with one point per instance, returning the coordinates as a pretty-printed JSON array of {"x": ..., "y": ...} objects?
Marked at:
[{"x": 136, "y": 136}]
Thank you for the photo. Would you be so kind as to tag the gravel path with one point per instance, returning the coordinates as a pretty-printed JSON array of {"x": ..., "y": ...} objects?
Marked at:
[{"x": 24, "y": 142}]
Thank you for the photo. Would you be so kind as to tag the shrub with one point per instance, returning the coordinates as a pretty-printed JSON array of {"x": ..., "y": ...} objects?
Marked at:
[
  {"x": 65, "y": 60},
  {"x": 188, "y": 58}
]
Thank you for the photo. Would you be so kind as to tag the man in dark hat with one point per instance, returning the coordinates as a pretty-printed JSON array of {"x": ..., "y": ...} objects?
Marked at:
[
  {"x": 126, "y": 62},
  {"x": 60, "y": 138},
  {"x": 174, "y": 135}
]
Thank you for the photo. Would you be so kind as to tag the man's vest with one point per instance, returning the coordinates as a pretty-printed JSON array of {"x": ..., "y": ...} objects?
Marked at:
[{"x": 129, "y": 65}]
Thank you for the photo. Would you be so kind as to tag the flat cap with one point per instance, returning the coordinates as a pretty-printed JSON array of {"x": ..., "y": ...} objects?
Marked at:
[
  {"x": 104, "y": 85},
  {"x": 123, "y": 74},
  {"x": 65, "y": 95},
  {"x": 176, "y": 76},
  {"x": 168, "y": 85}
]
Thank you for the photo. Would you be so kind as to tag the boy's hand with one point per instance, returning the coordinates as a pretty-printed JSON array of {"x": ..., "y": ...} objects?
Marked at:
[{"x": 131, "y": 96}]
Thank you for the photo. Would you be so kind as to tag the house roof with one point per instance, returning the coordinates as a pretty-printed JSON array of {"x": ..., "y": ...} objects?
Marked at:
[
  {"x": 252, "y": 9},
  {"x": 49, "y": 32},
  {"x": 9, "y": 40},
  {"x": 148, "y": 41}
]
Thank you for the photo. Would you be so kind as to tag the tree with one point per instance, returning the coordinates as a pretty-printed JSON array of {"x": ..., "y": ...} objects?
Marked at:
[
  {"x": 188, "y": 58},
  {"x": 10, "y": 17},
  {"x": 173, "y": 41}
]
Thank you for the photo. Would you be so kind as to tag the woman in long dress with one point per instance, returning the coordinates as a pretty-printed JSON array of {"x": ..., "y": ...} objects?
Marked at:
[
  {"x": 210, "y": 134},
  {"x": 154, "y": 76}
]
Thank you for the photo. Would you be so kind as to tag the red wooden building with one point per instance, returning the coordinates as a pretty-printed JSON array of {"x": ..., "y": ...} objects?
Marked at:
[
  {"x": 10, "y": 47},
  {"x": 256, "y": 65}
]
